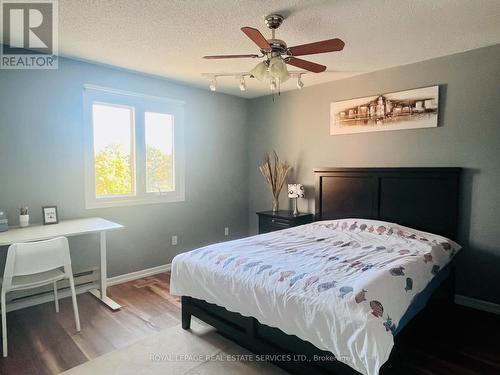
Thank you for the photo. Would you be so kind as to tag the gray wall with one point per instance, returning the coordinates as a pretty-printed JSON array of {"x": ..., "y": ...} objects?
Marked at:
[
  {"x": 296, "y": 125},
  {"x": 42, "y": 163}
]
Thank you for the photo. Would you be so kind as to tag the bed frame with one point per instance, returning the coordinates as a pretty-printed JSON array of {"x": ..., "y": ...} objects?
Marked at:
[{"x": 421, "y": 198}]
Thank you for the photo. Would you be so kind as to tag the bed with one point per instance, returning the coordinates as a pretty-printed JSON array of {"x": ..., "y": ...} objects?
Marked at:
[{"x": 332, "y": 295}]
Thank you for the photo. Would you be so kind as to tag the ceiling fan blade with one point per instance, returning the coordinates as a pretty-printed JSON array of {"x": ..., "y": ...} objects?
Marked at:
[
  {"x": 330, "y": 45},
  {"x": 257, "y": 37},
  {"x": 229, "y": 56},
  {"x": 307, "y": 65}
]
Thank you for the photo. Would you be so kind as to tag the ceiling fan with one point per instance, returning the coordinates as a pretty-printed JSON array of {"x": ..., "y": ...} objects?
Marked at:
[{"x": 277, "y": 54}]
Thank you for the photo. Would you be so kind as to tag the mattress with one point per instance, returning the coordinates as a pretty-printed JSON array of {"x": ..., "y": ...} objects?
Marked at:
[
  {"x": 419, "y": 302},
  {"x": 343, "y": 285}
]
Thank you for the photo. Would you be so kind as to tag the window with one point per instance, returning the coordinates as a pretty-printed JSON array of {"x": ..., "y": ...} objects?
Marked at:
[
  {"x": 113, "y": 158},
  {"x": 159, "y": 152},
  {"x": 133, "y": 147}
]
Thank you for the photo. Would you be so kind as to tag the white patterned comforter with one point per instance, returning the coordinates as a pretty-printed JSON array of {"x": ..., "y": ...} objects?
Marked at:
[{"x": 342, "y": 285}]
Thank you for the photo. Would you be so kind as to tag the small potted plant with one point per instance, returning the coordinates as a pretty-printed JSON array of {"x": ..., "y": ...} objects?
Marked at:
[{"x": 24, "y": 217}]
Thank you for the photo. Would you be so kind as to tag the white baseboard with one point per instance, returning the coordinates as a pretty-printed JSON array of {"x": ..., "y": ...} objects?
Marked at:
[
  {"x": 477, "y": 304},
  {"x": 138, "y": 274}
]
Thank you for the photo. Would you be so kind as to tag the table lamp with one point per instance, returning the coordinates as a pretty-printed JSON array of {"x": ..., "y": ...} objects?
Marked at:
[{"x": 295, "y": 191}]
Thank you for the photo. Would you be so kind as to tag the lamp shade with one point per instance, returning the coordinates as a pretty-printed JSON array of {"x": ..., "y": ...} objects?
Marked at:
[
  {"x": 277, "y": 69},
  {"x": 272, "y": 70},
  {"x": 296, "y": 191},
  {"x": 261, "y": 71}
]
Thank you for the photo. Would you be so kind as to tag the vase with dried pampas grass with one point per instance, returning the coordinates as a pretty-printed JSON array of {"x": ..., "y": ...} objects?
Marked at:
[{"x": 275, "y": 171}]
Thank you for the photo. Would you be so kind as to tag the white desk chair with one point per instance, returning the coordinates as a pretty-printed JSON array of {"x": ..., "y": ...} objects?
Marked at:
[{"x": 34, "y": 264}]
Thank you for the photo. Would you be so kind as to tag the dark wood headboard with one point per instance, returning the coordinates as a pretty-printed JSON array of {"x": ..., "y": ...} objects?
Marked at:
[{"x": 420, "y": 198}]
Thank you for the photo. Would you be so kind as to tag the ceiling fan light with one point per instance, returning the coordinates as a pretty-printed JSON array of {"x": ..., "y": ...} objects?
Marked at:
[
  {"x": 278, "y": 70},
  {"x": 283, "y": 76},
  {"x": 260, "y": 72}
]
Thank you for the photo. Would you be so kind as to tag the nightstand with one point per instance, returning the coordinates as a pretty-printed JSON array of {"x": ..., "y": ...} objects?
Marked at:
[{"x": 270, "y": 221}]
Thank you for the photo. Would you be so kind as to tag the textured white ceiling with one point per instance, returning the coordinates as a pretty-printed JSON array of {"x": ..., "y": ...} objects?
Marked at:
[{"x": 168, "y": 37}]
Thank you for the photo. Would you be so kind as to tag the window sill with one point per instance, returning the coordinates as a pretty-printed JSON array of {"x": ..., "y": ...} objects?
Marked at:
[{"x": 134, "y": 201}]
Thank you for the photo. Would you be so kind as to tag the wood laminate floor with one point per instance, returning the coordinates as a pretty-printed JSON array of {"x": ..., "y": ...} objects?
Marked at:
[{"x": 455, "y": 341}]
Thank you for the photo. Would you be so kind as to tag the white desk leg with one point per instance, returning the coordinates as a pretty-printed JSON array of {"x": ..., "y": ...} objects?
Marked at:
[
  {"x": 101, "y": 293},
  {"x": 104, "y": 266}
]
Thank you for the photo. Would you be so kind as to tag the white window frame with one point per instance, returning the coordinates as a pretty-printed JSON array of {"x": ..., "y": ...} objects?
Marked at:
[{"x": 140, "y": 104}]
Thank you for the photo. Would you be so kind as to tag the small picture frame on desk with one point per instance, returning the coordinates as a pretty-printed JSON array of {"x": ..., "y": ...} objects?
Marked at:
[{"x": 50, "y": 215}]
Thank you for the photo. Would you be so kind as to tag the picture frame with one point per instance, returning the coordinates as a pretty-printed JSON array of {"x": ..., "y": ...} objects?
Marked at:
[
  {"x": 398, "y": 110},
  {"x": 50, "y": 215}
]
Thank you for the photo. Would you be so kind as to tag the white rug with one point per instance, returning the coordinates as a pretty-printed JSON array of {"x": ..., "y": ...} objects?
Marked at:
[{"x": 176, "y": 351}]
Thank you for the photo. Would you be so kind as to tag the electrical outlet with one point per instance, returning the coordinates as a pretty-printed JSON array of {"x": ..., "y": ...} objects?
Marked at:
[
  {"x": 226, "y": 231},
  {"x": 174, "y": 240}
]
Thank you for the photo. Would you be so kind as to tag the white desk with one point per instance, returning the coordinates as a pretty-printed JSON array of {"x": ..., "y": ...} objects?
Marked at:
[{"x": 70, "y": 228}]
